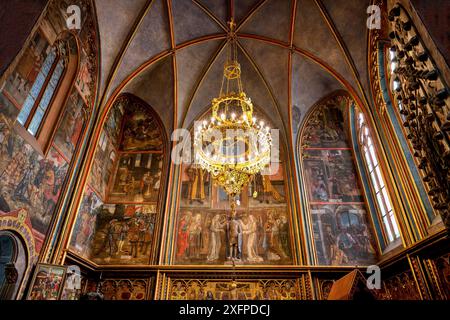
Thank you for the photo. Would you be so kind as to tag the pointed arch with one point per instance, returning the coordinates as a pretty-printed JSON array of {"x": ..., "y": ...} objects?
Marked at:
[{"x": 337, "y": 211}]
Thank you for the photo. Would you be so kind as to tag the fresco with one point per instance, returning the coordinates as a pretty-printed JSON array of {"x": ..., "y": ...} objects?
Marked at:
[
  {"x": 181, "y": 289},
  {"x": 27, "y": 179},
  {"x": 69, "y": 131},
  {"x": 325, "y": 127},
  {"x": 118, "y": 213},
  {"x": 48, "y": 282},
  {"x": 342, "y": 235},
  {"x": 106, "y": 152},
  {"x": 137, "y": 178},
  {"x": 141, "y": 131},
  {"x": 124, "y": 234},
  {"x": 30, "y": 179},
  {"x": 205, "y": 237},
  {"x": 331, "y": 176},
  {"x": 342, "y": 232},
  {"x": 195, "y": 187},
  {"x": 205, "y": 231},
  {"x": 84, "y": 228},
  {"x": 19, "y": 84}
]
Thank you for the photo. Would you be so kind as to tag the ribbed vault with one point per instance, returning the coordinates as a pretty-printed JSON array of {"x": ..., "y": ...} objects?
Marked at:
[{"x": 293, "y": 52}]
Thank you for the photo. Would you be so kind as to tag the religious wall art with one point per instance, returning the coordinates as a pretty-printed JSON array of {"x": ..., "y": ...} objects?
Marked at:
[
  {"x": 343, "y": 235},
  {"x": 141, "y": 131},
  {"x": 259, "y": 236},
  {"x": 118, "y": 212},
  {"x": 106, "y": 151},
  {"x": 124, "y": 234},
  {"x": 30, "y": 180},
  {"x": 181, "y": 289},
  {"x": 325, "y": 126},
  {"x": 137, "y": 178},
  {"x": 84, "y": 228},
  {"x": 342, "y": 232},
  {"x": 207, "y": 234},
  {"x": 331, "y": 176},
  {"x": 27, "y": 179},
  {"x": 70, "y": 128},
  {"x": 195, "y": 187},
  {"x": 267, "y": 190},
  {"x": 28, "y": 70},
  {"x": 47, "y": 283}
]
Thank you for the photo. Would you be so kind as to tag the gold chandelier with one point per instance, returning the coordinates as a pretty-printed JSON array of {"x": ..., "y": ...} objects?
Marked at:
[{"x": 232, "y": 146}]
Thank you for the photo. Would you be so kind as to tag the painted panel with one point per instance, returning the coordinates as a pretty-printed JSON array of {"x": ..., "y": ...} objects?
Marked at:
[
  {"x": 84, "y": 228},
  {"x": 342, "y": 232},
  {"x": 69, "y": 131},
  {"x": 124, "y": 234},
  {"x": 204, "y": 230}
]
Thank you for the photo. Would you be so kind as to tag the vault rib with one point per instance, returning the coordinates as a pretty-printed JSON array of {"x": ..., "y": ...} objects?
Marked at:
[
  {"x": 329, "y": 21},
  {"x": 210, "y": 14},
  {"x": 205, "y": 71}
]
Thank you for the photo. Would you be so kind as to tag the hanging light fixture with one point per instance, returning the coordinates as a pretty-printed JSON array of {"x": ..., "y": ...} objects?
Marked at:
[{"x": 233, "y": 146}]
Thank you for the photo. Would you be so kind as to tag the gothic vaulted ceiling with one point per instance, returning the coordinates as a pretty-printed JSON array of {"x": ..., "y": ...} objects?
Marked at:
[{"x": 293, "y": 52}]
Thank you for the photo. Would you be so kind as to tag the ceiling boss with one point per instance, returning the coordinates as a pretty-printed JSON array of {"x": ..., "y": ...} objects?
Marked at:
[{"x": 233, "y": 146}]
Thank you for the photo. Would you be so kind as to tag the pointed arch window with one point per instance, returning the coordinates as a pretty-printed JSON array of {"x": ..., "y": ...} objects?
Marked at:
[
  {"x": 377, "y": 181},
  {"x": 43, "y": 90}
]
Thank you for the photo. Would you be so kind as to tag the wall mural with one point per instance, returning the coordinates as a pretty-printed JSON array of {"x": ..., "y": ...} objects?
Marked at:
[
  {"x": 84, "y": 228},
  {"x": 69, "y": 131},
  {"x": 342, "y": 231},
  {"x": 28, "y": 179},
  {"x": 19, "y": 84},
  {"x": 138, "y": 178},
  {"x": 106, "y": 152},
  {"x": 124, "y": 233},
  {"x": 331, "y": 176},
  {"x": 141, "y": 131},
  {"x": 118, "y": 213},
  {"x": 204, "y": 229}
]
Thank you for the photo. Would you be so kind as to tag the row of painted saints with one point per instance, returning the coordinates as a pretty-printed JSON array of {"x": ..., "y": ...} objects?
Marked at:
[
  {"x": 245, "y": 238},
  {"x": 259, "y": 232}
]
